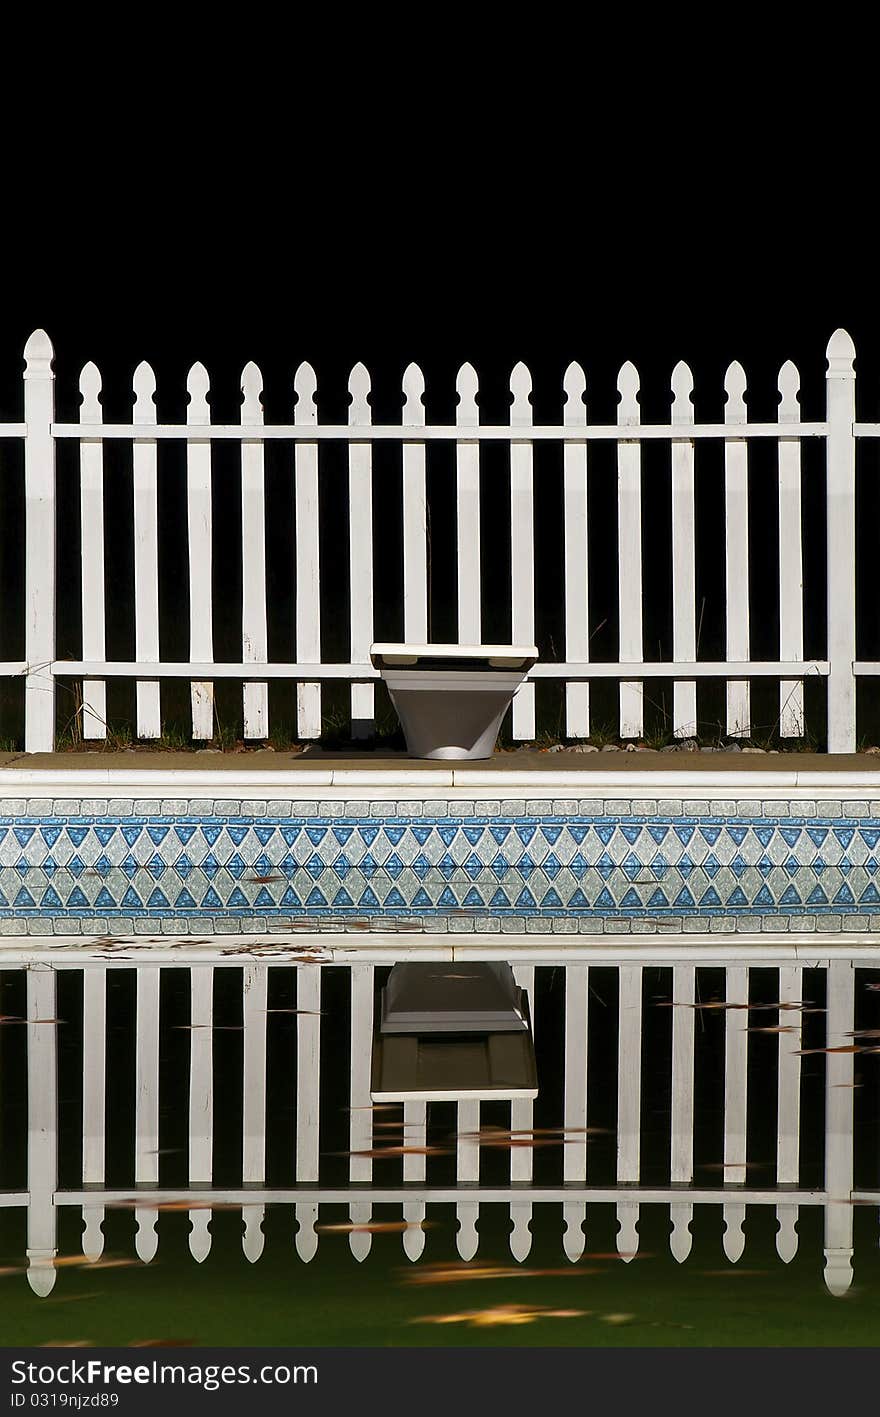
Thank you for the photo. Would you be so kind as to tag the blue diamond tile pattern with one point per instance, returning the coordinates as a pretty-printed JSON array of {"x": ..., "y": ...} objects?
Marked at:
[{"x": 625, "y": 867}]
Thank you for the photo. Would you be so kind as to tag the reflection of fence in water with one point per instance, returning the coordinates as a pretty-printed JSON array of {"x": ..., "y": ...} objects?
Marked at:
[{"x": 565, "y": 1099}]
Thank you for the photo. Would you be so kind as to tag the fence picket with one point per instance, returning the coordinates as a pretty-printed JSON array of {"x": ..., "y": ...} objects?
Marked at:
[
  {"x": 467, "y": 1173},
  {"x": 736, "y": 1041},
  {"x": 736, "y": 495},
  {"x": 684, "y": 584},
  {"x": 93, "y": 1098},
  {"x": 91, "y": 458},
  {"x": 39, "y": 556},
  {"x": 198, "y": 499},
  {"x": 629, "y": 1101},
  {"x": 577, "y": 577},
  {"x": 201, "y": 1101},
  {"x": 254, "y": 642},
  {"x": 360, "y": 1168},
  {"x": 255, "y": 992},
  {"x": 415, "y": 1130},
  {"x": 360, "y": 522},
  {"x": 42, "y": 1132},
  {"x": 467, "y": 465},
  {"x": 840, "y": 452},
  {"x": 522, "y": 545},
  {"x": 522, "y": 1111},
  {"x": 788, "y": 1104},
  {"x": 629, "y": 552},
  {"x": 574, "y": 1152},
  {"x": 839, "y": 1076},
  {"x": 308, "y": 1100},
  {"x": 681, "y": 1157},
  {"x": 146, "y": 1103},
  {"x": 791, "y": 561},
  {"x": 415, "y": 509},
  {"x": 146, "y": 555},
  {"x": 308, "y": 557}
]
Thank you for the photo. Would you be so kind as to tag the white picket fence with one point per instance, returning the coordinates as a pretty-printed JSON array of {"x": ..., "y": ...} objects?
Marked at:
[
  {"x": 416, "y": 1193},
  {"x": 41, "y": 434}
]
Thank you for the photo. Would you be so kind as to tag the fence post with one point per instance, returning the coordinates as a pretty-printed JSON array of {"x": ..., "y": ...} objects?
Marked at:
[
  {"x": 39, "y": 480},
  {"x": 841, "y": 542}
]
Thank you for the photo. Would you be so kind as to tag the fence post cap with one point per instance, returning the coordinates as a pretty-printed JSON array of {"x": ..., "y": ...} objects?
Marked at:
[
  {"x": 840, "y": 354},
  {"x": 38, "y": 354}
]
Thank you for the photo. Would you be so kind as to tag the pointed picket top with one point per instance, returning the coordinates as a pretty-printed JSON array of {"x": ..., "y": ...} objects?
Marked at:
[
  {"x": 251, "y": 388},
  {"x": 466, "y": 386},
  {"x": 682, "y": 384},
  {"x": 90, "y": 389},
  {"x": 413, "y": 396},
  {"x": 305, "y": 384},
  {"x": 840, "y": 354},
  {"x": 467, "y": 1241},
  {"x": 680, "y": 1239},
  {"x": 41, "y": 1275},
  {"x": 838, "y": 1271},
  {"x": 306, "y": 1235},
  {"x": 360, "y": 1242},
  {"x": 628, "y": 389},
  {"x": 144, "y": 385},
  {"x": 253, "y": 1239},
  {"x": 788, "y": 384},
  {"x": 574, "y": 1240},
  {"x": 521, "y": 1234},
  {"x": 197, "y": 386},
  {"x": 414, "y": 1242},
  {"x": 521, "y": 388},
  {"x": 146, "y": 1239},
  {"x": 786, "y": 1232},
  {"x": 574, "y": 385},
  {"x": 93, "y": 1232},
  {"x": 359, "y": 389},
  {"x": 735, "y": 389},
  {"x": 38, "y": 356},
  {"x": 734, "y": 1240},
  {"x": 200, "y": 1235}
]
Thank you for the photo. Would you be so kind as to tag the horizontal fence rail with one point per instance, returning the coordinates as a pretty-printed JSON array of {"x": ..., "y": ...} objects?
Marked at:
[
  {"x": 317, "y": 564},
  {"x": 294, "y": 1044}
]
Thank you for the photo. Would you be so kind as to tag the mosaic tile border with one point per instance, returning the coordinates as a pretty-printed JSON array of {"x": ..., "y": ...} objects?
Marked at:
[{"x": 122, "y": 866}]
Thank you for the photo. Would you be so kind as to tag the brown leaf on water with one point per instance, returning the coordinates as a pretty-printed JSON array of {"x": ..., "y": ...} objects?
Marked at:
[
  {"x": 463, "y": 1271},
  {"x": 845, "y": 1048},
  {"x": 617, "y": 1255},
  {"x": 161, "y": 1343},
  {"x": 312, "y": 1012},
  {"x": 775, "y": 1028},
  {"x": 145, "y": 1203},
  {"x": 378, "y": 1152},
  {"x": 77, "y": 1261},
  {"x": 376, "y": 1227},
  {"x": 501, "y": 1314}
]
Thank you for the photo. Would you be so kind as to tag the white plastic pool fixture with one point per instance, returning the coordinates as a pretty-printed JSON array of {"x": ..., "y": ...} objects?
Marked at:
[{"x": 450, "y": 699}]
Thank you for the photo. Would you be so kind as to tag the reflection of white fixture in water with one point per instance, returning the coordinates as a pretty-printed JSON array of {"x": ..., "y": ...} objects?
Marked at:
[
  {"x": 453, "y": 1032},
  {"x": 450, "y": 699}
]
